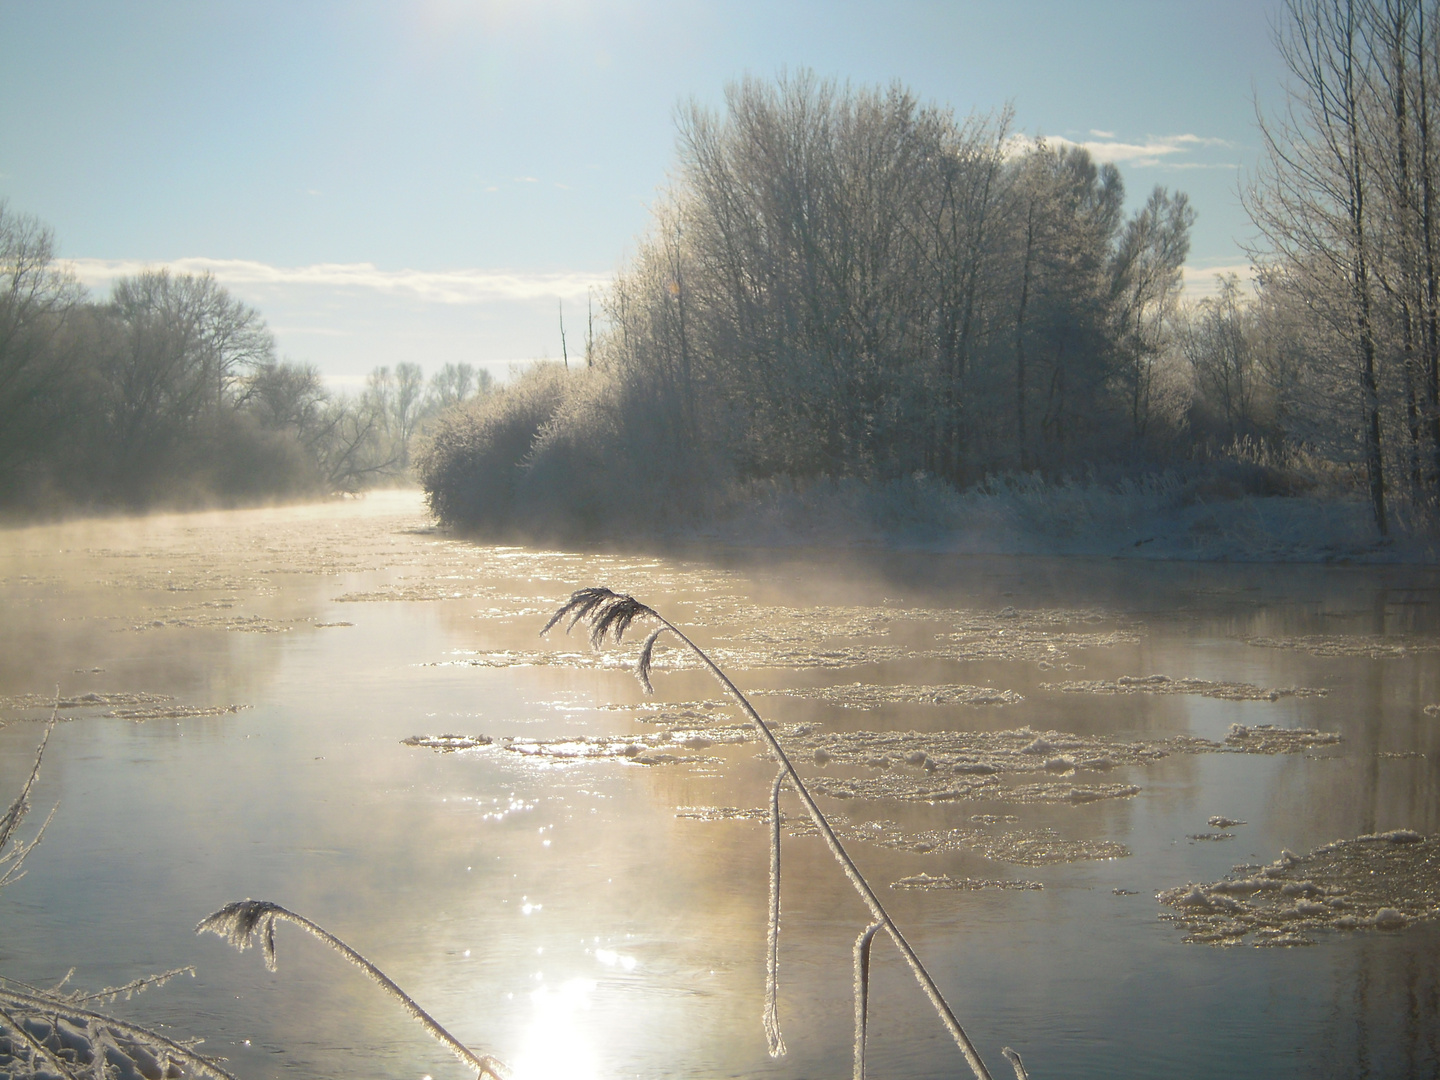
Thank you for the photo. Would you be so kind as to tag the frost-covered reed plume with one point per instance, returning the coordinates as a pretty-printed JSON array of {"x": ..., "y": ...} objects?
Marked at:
[
  {"x": 610, "y": 613},
  {"x": 54, "y": 1032},
  {"x": 243, "y": 920}
]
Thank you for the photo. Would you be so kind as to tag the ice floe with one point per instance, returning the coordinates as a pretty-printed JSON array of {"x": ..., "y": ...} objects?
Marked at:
[
  {"x": 1383, "y": 881},
  {"x": 945, "y": 881},
  {"x": 119, "y": 705},
  {"x": 1023, "y": 847},
  {"x": 1372, "y": 645},
  {"x": 872, "y": 696},
  {"x": 1164, "y": 684}
]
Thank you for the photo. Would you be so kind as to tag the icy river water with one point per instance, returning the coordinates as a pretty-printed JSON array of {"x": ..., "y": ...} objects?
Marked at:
[{"x": 1021, "y": 753}]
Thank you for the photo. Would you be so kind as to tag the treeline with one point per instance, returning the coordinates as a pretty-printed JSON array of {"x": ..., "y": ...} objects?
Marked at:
[
  {"x": 170, "y": 392},
  {"x": 847, "y": 283}
]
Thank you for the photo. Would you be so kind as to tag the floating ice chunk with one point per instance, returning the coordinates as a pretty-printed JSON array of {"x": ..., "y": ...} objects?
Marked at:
[
  {"x": 945, "y": 881},
  {"x": 1381, "y": 882},
  {"x": 1041, "y": 745},
  {"x": 448, "y": 743}
]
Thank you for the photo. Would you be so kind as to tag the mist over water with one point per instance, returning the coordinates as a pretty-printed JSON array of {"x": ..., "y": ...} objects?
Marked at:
[{"x": 585, "y": 894}]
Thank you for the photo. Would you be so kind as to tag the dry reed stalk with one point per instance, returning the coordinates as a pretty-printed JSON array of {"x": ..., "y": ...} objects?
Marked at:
[
  {"x": 862, "y": 993},
  {"x": 774, "y": 1040},
  {"x": 238, "y": 922},
  {"x": 608, "y": 612},
  {"x": 12, "y": 862}
]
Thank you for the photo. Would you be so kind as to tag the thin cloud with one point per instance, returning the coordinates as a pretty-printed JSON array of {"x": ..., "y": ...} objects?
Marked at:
[
  {"x": 432, "y": 286},
  {"x": 321, "y": 331},
  {"x": 1154, "y": 151},
  {"x": 1203, "y": 282}
]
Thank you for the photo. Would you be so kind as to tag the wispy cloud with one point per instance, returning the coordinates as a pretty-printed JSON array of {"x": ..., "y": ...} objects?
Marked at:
[
  {"x": 432, "y": 286},
  {"x": 1202, "y": 282},
  {"x": 1153, "y": 151}
]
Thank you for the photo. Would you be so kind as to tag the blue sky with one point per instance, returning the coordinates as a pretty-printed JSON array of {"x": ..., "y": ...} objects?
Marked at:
[{"x": 425, "y": 181}]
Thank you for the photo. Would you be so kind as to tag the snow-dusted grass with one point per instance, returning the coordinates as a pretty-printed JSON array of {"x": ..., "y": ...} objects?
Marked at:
[{"x": 1161, "y": 516}]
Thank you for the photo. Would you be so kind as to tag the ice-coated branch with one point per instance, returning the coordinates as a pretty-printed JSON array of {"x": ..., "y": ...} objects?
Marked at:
[
  {"x": 604, "y": 610},
  {"x": 237, "y": 923}
]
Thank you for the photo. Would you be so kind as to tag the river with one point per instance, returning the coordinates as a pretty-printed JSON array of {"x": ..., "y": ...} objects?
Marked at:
[{"x": 585, "y": 894}]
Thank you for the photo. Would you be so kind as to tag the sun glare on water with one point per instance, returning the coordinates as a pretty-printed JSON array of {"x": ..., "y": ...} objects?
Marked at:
[{"x": 557, "y": 1046}]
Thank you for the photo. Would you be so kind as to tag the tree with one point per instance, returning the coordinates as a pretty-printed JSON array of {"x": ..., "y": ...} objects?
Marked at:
[
  {"x": 1216, "y": 341},
  {"x": 1313, "y": 203},
  {"x": 175, "y": 350},
  {"x": 36, "y": 299},
  {"x": 1145, "y": 283},
  {"x": 455, "y": 383}
]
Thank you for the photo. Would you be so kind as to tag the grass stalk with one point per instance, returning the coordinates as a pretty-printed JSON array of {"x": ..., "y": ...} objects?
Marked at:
[
  {"x": 238, "y": 922},
  {"x": 608, "y": 612}
]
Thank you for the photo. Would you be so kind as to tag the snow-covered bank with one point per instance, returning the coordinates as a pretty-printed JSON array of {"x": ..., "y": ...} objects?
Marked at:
[{"x": 1157, "y": 517}]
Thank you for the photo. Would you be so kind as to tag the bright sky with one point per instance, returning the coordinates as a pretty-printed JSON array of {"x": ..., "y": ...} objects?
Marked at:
[{"x": 426, "y": 181}]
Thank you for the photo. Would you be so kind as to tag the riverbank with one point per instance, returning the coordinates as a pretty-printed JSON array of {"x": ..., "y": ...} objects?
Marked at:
[{"x": 1163, "y": 517}]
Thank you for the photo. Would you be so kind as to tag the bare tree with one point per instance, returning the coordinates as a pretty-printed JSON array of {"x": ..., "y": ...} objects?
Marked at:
[
  {"x": 1312, "y": 201},
  {"x": 36, "y": 299}
]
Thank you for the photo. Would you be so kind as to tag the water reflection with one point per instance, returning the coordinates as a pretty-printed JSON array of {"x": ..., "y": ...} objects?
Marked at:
[
  {"x": 557, "y": 1042},
  {"x": 646, "y": 919}
]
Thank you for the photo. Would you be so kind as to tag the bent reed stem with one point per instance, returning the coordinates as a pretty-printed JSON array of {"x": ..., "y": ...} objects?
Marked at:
[
  {"x": 608, "y": 611},
  {"x": 236, "y": 923}
]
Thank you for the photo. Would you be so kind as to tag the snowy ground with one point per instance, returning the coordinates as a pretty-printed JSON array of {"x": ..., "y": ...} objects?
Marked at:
[{"x": 1157, "y": 518}]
